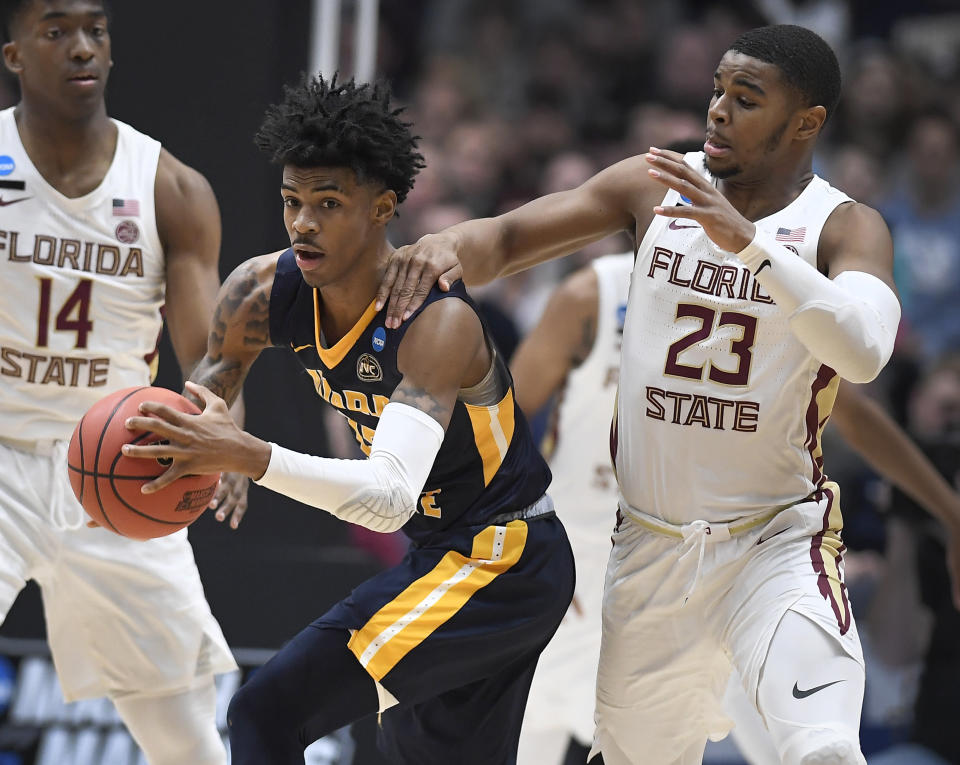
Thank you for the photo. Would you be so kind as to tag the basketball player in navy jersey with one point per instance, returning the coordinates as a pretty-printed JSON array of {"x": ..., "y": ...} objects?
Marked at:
[
  {"x": 445, "y": 643},
  {"x": 757, "y": 288},
  {"x": 100, "y": 228}
]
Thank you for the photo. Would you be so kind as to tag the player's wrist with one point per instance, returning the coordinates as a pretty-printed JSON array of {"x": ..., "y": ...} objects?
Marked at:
[{"x": 255, "y": 455}]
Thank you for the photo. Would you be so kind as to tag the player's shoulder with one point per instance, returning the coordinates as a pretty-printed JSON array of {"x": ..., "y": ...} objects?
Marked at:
[
  {"x": 250, "y": 283},
  {"x": 175, "y": 177},
  {"x": 851, "y": 219}
]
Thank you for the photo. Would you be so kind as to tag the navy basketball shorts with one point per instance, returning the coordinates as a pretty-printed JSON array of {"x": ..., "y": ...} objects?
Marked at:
[{"x": 452, "y": 635}]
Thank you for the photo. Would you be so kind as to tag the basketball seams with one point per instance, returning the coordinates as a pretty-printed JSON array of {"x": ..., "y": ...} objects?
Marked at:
[
  {"x": 114, "y": 499},
  {"x": 83, "y": 472},
  {"x": 111, "y": 476},
  {"x": 96, "y": 460}
]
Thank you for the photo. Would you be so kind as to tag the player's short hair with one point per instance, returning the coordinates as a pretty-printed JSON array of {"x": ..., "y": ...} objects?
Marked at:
[
  {"x": 807, "y": 62},
  {"x": 331, "y": 124},
  {"x": 10, "y": 9}
]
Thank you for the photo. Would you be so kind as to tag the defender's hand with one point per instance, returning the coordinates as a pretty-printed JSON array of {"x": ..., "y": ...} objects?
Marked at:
[
  {"x": 231, "y": 498},
  {"x": 411, "y": 273},
  {"x": 726, "y": 227}
]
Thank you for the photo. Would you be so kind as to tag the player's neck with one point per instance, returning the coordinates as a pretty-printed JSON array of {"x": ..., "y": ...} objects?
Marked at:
[
  {"x": 344, "y": 302},
  {"x": 767, "y": 193},
  {"x": 57, "y": 143}
]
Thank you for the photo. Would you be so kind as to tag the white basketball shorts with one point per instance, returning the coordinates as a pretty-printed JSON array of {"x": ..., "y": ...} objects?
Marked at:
[
  {"x": 665, "y": 662},
  {"x": 123, "y": 616}
]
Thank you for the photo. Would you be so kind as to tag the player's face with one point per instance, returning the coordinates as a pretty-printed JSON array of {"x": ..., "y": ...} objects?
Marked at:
[
  {"x": 332, "y": 221},
  {"x": 61, "y": 53},
  {"x": 749, "y": 114}
]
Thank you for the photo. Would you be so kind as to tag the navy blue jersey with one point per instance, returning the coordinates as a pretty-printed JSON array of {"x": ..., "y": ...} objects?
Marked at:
[{"x": 487, "y": 464}]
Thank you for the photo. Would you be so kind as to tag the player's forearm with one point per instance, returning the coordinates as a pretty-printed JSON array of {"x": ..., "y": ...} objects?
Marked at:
[
  {"x": 894, "y": 456},
  {"x": 225, "y": 378},
  {"x": 849, "y": 323},
  {"x": 380, "y": 492}
]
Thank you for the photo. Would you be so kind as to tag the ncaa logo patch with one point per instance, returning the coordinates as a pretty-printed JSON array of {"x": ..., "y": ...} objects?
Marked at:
[
  {"x": 379, "y": 340},
  {"x": 368, "y": 369},
  {"x": 127, "y": 231},
  {"x": 7, "y": 165}
]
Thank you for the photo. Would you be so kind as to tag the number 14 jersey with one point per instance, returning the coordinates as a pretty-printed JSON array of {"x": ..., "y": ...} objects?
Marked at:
[
  {"x": 720, "y": 408},
  {"x": 83, "y": 285}
]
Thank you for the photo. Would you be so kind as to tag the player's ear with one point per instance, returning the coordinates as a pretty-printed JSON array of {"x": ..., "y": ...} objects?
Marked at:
[
  {"x": 11, "y": 57},
  {"x": 811, "y": 120},
  {"x": 384, "y": 207}
]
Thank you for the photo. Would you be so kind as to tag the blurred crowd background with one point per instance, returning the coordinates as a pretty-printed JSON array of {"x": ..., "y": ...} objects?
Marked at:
[{"x": 514, "y": 99}]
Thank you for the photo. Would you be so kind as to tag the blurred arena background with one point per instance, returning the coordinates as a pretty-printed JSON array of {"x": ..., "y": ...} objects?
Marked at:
[{"x": 513, "y": 100}]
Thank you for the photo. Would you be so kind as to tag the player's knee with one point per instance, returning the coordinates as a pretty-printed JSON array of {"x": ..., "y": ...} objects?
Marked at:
[
  {"x": 823, "y": 746},
  {"x": 247, "y": 708}
]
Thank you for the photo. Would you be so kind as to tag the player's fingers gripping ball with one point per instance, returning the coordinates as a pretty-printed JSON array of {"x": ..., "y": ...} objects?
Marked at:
[{"x": 107, "y": 483}]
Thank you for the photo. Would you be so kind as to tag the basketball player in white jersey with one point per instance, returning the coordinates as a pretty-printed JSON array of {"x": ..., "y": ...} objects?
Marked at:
[
  {"x": 100, "y": 228},
  {"x": 757, "y": 287},
  {"x": 573, "y": 356}
]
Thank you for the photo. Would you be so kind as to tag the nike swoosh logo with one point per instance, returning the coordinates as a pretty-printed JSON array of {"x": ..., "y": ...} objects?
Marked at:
[
  {"x": 301, "y": 347},
  {"x": 761, "y": 540},
  {"x": 763, "y": 265},
  {"x": 798, "y": 694},
  {"x": 5, "y": 203},
  {"x": 675, "y": 225}
]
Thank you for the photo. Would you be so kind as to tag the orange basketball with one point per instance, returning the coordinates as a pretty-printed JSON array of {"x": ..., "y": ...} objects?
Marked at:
[{"x": 108, "y": 484}]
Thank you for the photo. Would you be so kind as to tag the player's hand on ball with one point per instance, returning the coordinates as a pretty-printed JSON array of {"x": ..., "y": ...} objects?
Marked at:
[
  {"x": 231, "y": 499},
  {"x": 208, "y": 442}
]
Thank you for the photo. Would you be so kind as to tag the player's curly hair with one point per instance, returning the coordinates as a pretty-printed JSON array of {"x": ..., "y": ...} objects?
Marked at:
[
  {"x": 329, "y": 124},
  {"x": 807, "y": 62}
]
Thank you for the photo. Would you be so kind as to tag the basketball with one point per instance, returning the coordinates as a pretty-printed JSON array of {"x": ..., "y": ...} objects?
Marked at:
[{"x": 107, "y": 483}]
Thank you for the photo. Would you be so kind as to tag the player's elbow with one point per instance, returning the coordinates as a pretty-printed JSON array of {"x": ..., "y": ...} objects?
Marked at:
[{"x": 387, "y": 502}]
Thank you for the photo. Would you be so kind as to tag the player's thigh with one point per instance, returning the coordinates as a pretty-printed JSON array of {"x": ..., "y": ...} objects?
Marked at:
[
  {"x": 564, "y": 686},
  {"x": 126, "y": 615},
  {"x": 661, "y": 674},
  {"x": 28, "y": 496},
  {"x": 810, "y": 695},
  {"x": 797, "y": 565}
]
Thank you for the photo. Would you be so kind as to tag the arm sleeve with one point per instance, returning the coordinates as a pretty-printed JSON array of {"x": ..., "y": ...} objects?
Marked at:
[
  {"x": 380, "y": 492},
  {"x": 849, "y": 323}
]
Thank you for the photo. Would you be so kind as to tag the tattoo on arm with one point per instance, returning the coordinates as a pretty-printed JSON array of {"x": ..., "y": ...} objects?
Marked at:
[
  {"x": 244, "y": 312},
  {"x": 423, "y": 400}
]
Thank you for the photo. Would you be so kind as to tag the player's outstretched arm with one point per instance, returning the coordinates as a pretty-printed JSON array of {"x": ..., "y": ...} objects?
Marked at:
[
  {"x": 559, "y": 343},
  {"x": 481, "y": 250},
  {"x": 888, "y": 449},
  {"x": 442, "y": 351},
  {"x": 379, "y": 492}
]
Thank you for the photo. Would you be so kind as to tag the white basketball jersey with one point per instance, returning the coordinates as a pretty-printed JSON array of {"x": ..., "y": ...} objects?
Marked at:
[
  {"x": 584, "y": 486},
  {"x": 720, "y": 406},
  {"x": 83, "y": 285}
]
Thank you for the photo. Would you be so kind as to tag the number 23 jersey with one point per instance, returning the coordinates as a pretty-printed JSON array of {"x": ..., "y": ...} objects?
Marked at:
[
  {"x": 83, "y": 283},
  {"x": 720, "y": 407}
]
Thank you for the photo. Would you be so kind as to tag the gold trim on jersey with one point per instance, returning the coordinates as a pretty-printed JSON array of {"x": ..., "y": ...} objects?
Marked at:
[
  {"x": 334, "y": 355},
  {"x": 492, "y": 432},
  {"x": 823, "y": 401},
  {"x": 433, "y": 599},
  {"x": 826, "y": 552}
]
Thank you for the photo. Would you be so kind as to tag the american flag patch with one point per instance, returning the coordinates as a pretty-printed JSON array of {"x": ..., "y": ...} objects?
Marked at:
[
  {"x": 791, "y": 234},
  {"x": 126, "y": 206}
]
